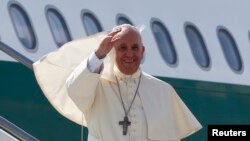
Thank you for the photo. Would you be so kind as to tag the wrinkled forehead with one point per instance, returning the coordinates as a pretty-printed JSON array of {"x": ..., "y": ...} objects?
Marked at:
[{"x": 129, "y": 33}]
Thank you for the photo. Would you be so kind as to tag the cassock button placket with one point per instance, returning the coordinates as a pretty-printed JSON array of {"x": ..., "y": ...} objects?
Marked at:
[{"x": 125, "y": 123}]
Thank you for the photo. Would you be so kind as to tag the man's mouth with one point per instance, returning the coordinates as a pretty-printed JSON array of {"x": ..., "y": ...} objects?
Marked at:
[{"x": 129, "y": 60}]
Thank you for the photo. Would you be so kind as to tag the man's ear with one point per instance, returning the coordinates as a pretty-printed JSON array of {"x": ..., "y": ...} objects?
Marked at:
[
  {"x": 143, "y": 49},
  {"x": 142, "y": 55}
]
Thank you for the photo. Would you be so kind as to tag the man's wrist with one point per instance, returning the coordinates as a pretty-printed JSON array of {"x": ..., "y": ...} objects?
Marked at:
[
  {"x": 94, "y": 63},
  {"x": 100, "y": 56}
]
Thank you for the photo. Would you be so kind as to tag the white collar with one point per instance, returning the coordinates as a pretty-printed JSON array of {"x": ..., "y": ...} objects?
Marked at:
[{"x": 122, "y": 76}]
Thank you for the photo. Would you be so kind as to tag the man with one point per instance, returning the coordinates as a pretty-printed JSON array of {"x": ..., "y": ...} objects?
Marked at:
[{"x": 129, "y": 104}]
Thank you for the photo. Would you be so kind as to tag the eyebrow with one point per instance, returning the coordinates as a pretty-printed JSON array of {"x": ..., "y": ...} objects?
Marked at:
[
  {"x": 135, "y": 45},
  {"x": 122, "y": 44}
]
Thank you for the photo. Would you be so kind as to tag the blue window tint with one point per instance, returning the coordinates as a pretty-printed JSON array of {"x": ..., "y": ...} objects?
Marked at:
[
  {"x": 198, "y": 46},
  {"x": 58, "y": 27},
  {"x": 121, "y": 19},
  {"x": 164, "y": 42},
  {"x": 91, "y": 24},
  {"x": 23, "y": 27},
  {"x": 230, "y": 49}
]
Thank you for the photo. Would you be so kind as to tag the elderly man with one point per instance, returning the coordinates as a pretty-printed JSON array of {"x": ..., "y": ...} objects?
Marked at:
[{"x": 129, "y": 105}]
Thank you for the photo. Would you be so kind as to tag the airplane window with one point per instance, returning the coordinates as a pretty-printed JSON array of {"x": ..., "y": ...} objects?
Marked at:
[
  {"x": 197, "y": 45},
  {"x": 230, "y": 49},
  {"x": 22, "y": 26},
  {"x": 122, "y": 19},
  {"x": 91, "y": 24},
  {"x": 164, "y": 42},
  {"x": 58, "y": 27}
]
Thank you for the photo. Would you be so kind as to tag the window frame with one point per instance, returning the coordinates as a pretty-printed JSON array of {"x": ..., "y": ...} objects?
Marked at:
[
  {"x": 235, "y": 47},
  {"x": 96, "y": 20},
  {"x": 61, "y": 18},
  {"x": 203, "y": 47},
  {"x": 27, "y": 18},
  {"x": 120, "y": 15},
  {"x": 171, "y": 43}
]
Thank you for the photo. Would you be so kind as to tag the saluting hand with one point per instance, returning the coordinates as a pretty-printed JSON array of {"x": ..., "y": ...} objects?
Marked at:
[{"x": 107, "y": 43}]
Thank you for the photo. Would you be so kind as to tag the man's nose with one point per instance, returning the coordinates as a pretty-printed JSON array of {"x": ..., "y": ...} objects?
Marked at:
[{"x": 129, "y": 53}]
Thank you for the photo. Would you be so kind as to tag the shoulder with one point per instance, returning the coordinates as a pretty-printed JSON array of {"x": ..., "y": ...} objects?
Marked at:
[
  {"x": 156, "y": 86},
  {"x": 155, "y": 81}
]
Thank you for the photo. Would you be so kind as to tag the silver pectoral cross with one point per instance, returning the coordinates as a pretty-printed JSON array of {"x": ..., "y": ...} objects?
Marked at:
[{"x": 125, "y": 123}]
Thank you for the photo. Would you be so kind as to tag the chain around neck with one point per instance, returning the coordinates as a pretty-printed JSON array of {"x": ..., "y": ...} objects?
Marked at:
[{"x": 126, "y": 112}]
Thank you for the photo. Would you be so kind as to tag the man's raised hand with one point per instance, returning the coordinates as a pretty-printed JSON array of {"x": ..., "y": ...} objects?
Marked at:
[{"x": 107, "y": 43}]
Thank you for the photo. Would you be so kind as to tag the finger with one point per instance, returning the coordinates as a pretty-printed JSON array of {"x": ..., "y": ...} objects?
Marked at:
[
  {"x": 114, "y": 39},
  {"x": 107, "y": 39},
  {"x": 114, "y": 31},
  {"x": 106, "y": 43}
]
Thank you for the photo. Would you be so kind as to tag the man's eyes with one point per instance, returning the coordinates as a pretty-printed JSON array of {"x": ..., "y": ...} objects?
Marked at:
[
  {"x": 135, "y": 48},
  {"x": 124, "y": 48}
]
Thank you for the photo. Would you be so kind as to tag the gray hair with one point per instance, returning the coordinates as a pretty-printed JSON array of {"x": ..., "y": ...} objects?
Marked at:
[{"x": 137, "y": 29}]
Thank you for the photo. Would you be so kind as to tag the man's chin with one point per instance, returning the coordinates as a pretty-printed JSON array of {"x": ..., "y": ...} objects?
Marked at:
[{"x": 129, "y": 71}]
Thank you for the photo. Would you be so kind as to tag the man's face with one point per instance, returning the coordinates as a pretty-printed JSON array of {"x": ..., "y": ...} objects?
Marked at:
[{"x": 128, "y": 51}]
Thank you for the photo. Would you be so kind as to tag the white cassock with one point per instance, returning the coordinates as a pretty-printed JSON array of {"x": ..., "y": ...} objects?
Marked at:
[{"x": 93, "y": 100}]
